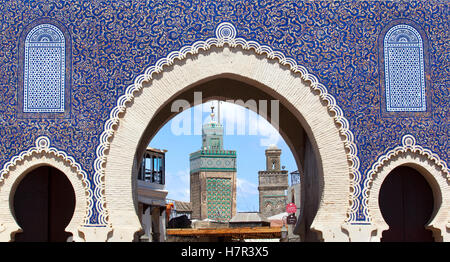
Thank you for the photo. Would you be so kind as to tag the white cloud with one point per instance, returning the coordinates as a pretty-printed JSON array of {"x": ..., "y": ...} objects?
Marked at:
[
  {"x": 246, "y": 188},
  {"x": 237, "y": 120},
  {"x": 178, "y": 186},
  {"x": 246, "y": 191},
  {"x": 270, "y": 134},
  {"x": 241, "y": 121}
]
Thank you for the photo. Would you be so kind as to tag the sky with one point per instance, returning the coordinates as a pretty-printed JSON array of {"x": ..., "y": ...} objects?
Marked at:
[{"x": 244, "y": 131}]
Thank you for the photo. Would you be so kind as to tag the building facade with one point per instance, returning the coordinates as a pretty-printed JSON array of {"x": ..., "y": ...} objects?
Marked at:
[
  {"x": 362, "y": 85},
  {"x": 213, "y": 176},
  {"x": 272, "y": 184},
  {"x": 151, "y": 195}
]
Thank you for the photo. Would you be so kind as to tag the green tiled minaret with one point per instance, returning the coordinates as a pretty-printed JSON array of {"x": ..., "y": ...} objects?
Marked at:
[{"x": 213, "y": 176}]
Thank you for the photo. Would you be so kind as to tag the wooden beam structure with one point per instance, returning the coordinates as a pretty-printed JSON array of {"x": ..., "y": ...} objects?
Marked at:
[{"x": 236, "y": 233}]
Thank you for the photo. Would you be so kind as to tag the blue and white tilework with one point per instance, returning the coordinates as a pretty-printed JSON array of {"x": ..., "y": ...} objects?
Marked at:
[
  {"x": 44, "y": 70},
  {"x": 404, "y": 66}
]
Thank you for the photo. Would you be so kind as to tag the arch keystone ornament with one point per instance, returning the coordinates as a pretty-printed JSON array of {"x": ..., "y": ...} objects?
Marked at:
[
  {"x": 430, "y": 165},
  {"x": 226, "y": 38},
  {"x": 40, "y": 155}
]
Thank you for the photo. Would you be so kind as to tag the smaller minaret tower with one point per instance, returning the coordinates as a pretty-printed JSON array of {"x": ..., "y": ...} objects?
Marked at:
[{"x": 273, "y": 183}]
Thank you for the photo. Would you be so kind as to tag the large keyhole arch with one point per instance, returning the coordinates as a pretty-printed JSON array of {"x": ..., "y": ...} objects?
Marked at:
[{"x": 268, "y": 79}]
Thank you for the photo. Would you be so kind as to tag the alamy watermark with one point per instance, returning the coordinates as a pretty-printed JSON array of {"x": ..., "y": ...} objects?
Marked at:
[{"x": 234, "y": 118}]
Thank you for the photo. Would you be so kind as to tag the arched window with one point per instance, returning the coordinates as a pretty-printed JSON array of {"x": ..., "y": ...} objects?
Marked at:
[
  {"x": 44, "y": 70},
  {"x": 404, "y": 70}
]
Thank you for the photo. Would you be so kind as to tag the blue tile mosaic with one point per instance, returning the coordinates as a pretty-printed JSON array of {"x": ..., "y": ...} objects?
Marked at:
[
  {"x": 44, "y": 70},
  {"x": 112, "y": 42},
  {"x": 404, "y": 65}
]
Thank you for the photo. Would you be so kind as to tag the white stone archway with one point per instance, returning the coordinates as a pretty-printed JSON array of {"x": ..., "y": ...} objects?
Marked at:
[
  {"x": 317, "y": 111},
  {"x": 42, "y": 155},
  {"x": 434, "y": 171}
]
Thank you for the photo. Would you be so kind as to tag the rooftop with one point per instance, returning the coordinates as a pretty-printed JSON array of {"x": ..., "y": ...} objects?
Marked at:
[{"x": 247, "y": 217}]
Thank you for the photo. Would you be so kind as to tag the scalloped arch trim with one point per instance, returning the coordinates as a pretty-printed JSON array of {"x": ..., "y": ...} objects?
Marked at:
[
  {"x": 409, "y": 144},
  {"x": 226, "y": 35},
  {"x": 42, "y": 146}
]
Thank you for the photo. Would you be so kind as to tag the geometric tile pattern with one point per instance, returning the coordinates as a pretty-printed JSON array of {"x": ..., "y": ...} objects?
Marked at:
[
  {"x": 219, "y": 198},
  {"x": 213, "y": 162},
  {"x": 404, "y": 70},
  {"x": 44, "y": 70}
]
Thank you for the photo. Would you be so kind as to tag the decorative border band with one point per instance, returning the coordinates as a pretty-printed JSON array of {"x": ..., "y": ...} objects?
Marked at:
[
  {"x": 226, "y": 35},
  {"x": 43, "y": 146}
]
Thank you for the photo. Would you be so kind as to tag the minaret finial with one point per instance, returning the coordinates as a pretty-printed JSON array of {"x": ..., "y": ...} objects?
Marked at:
[{"x": 212, "y": 113}]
